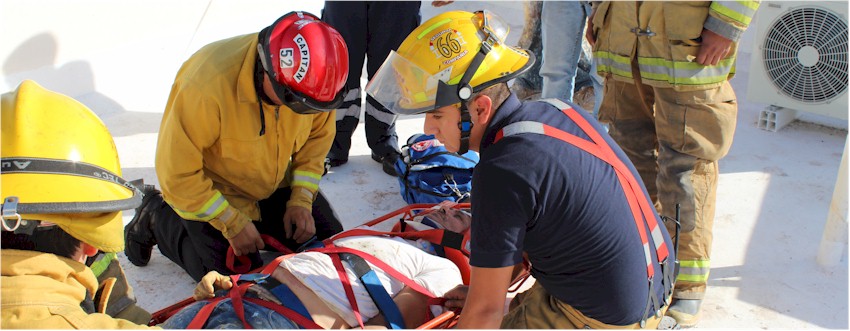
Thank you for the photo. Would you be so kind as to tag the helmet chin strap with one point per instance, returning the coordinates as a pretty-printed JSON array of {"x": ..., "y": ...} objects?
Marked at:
[
  {"x": 462, "y": 95},
  {"x": 465, "y": 125}
]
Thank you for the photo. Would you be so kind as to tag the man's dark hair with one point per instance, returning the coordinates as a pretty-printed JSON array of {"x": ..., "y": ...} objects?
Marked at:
[
  {"x": 498, "y": 93},
  {"x": 53, "y": 240}
]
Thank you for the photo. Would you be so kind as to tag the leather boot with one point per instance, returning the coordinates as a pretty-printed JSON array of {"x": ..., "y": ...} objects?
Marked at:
[
  {"x": 686, "y": 312},
  {"x": 138, "y": 234}
]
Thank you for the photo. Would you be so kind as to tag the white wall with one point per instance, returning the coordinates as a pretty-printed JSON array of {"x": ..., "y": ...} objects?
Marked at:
[{"x": 120, "y": 55}]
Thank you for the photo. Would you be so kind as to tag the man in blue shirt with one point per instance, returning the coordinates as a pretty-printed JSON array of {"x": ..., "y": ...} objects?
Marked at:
[{"x": 551, "y": 186}]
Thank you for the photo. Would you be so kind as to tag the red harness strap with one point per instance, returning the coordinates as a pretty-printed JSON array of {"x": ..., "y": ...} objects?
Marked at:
[
  {"x": 657, "y": 238},
  {"x": 244, "y": 266},
  {"x": 599, "y": 148},
  {"x": 334, "y": 251},
  {"x": 288, "y": 313},
  {"x": 436, "y": 236},
  {"x": 236, "y": 298},
  {"x": 346, "y": 284}
]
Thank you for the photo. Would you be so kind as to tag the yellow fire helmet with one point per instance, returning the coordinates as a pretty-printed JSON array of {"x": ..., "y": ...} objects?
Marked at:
[
  {"x": 430, "y": 69},
  {"x": 60, "y": 167}
]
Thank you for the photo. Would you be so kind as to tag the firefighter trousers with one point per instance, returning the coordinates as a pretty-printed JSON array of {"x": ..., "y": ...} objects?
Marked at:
[
  {"x": 371, "y": 30},
  {"x": 198, "y": 247},
  {"x": 537, "y": 309},
  {"x": 675, "y": 138}
]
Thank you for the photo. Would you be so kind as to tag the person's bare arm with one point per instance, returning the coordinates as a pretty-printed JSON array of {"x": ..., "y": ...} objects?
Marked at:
[
  {"x": 485, "y": 300},
  {"x": 519, "y": 267},
  {"x": 412, "y": 306}
]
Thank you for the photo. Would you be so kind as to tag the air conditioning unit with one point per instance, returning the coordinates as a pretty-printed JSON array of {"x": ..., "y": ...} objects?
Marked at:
[{"x": 799, "y": 60}]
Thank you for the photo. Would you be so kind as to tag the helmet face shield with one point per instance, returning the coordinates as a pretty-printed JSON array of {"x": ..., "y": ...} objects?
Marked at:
[
  {"x": 405, "y": 88},
  {"x": 445, "y": 60},
  {"x": 492, "y": 26},
  {"x": 303, "y": 104}
]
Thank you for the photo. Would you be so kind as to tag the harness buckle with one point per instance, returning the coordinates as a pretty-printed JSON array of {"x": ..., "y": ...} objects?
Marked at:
[
  {"x": 642, "y": 33},
  {"x": 10, "y": 211},
  {"x": 450, "y": 180},
  {"x": 253, "y": 278}
]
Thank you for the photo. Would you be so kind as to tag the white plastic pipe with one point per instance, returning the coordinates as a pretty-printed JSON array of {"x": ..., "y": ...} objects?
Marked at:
[{"x": 834, "y": 243}]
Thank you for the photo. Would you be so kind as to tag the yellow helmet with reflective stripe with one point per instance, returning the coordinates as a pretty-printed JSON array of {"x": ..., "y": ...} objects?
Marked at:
[
  {"x": 60, "y": 166},
  {"x": 430, "y": 68}
]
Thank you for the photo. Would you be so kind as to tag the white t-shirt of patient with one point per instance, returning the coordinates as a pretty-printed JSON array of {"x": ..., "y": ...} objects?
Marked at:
[{"x": 316, "y": 271}]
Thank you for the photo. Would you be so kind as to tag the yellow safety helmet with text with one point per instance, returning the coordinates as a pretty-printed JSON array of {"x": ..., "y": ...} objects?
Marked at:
[
  {"x": 432, "y": 66},
  {"x": 60, "y": 167}
]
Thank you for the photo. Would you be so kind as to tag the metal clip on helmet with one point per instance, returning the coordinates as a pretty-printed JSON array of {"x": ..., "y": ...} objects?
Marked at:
[
  {"x": 306, "y": 61},
  {"x": 60, "y": 167}
]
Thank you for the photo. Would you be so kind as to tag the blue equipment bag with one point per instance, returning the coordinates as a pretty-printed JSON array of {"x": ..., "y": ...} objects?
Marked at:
[{"x": 428, "y": 173}]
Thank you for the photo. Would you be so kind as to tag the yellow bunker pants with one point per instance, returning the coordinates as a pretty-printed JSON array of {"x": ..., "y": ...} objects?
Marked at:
[
  {"x": 539, "y": 310},
  {"x": 675, "y": 138}
]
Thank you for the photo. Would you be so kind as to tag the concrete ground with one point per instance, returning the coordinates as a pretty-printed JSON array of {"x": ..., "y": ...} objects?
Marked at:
[{"x": 774, "y": 193}]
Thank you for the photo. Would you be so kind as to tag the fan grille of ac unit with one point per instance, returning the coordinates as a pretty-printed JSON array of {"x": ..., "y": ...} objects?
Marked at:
[{"x": 807, "y": 29}]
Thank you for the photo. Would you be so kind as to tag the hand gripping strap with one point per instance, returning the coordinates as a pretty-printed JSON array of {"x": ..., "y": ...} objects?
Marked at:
[
  {"x": 245, "y": 262},
  {"x": 236, "y": 296}
]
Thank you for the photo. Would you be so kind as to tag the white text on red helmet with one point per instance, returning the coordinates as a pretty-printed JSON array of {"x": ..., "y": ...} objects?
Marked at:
[
  {"x": 304, "y": 50},
  {"x": 287, "y": 58}
]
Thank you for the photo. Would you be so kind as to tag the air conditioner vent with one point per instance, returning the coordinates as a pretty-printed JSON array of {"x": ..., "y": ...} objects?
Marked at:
[{"x": 805, "y": 54}]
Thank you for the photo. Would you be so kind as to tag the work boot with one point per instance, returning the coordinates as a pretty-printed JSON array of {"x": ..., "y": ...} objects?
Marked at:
[
  {"x": 685, "y": 312},
  {"x": 585, "y": 99},
  {"x": 138, "y": 234},
  {"x": 668, "y": 323},
  {"x": 330, "y": 163},
  {"x": 387, "y": 162}
]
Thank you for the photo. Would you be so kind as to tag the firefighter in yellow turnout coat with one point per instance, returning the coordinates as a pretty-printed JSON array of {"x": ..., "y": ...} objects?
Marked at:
[
  {"x": 62, "y": 197},
  {"x": 670, "y": 107},
  {"x": 242, "y": 145}
]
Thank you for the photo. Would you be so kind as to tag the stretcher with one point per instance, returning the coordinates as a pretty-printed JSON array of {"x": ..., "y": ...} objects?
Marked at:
[{"x": 389, "y": 224}]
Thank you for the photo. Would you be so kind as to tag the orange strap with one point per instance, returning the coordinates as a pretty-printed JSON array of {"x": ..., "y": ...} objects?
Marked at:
[
  {"x": 237, "y": 300},
  {"x": 346, "y": 284},
  {"x": 599, "y": 148},
  {"x": 244, "y": 266}
]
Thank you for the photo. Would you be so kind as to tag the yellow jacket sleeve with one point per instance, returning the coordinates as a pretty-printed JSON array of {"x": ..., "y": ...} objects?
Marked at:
[
  {"x": 308, "y": 163},
  {"x": 730, "y": 18},
  {"x": 45, "y": 291},
  {"x": 190, "y": 125}
]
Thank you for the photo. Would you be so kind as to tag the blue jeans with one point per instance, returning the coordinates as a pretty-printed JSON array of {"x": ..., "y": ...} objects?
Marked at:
[
  {"x": 562, "y": 25},
  {"x": 598, "y": 83},
  {"x": 223, "y": 317}
]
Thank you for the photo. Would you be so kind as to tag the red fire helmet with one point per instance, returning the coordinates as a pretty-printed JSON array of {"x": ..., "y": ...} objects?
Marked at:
[{"x": 307, "y": 61}]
